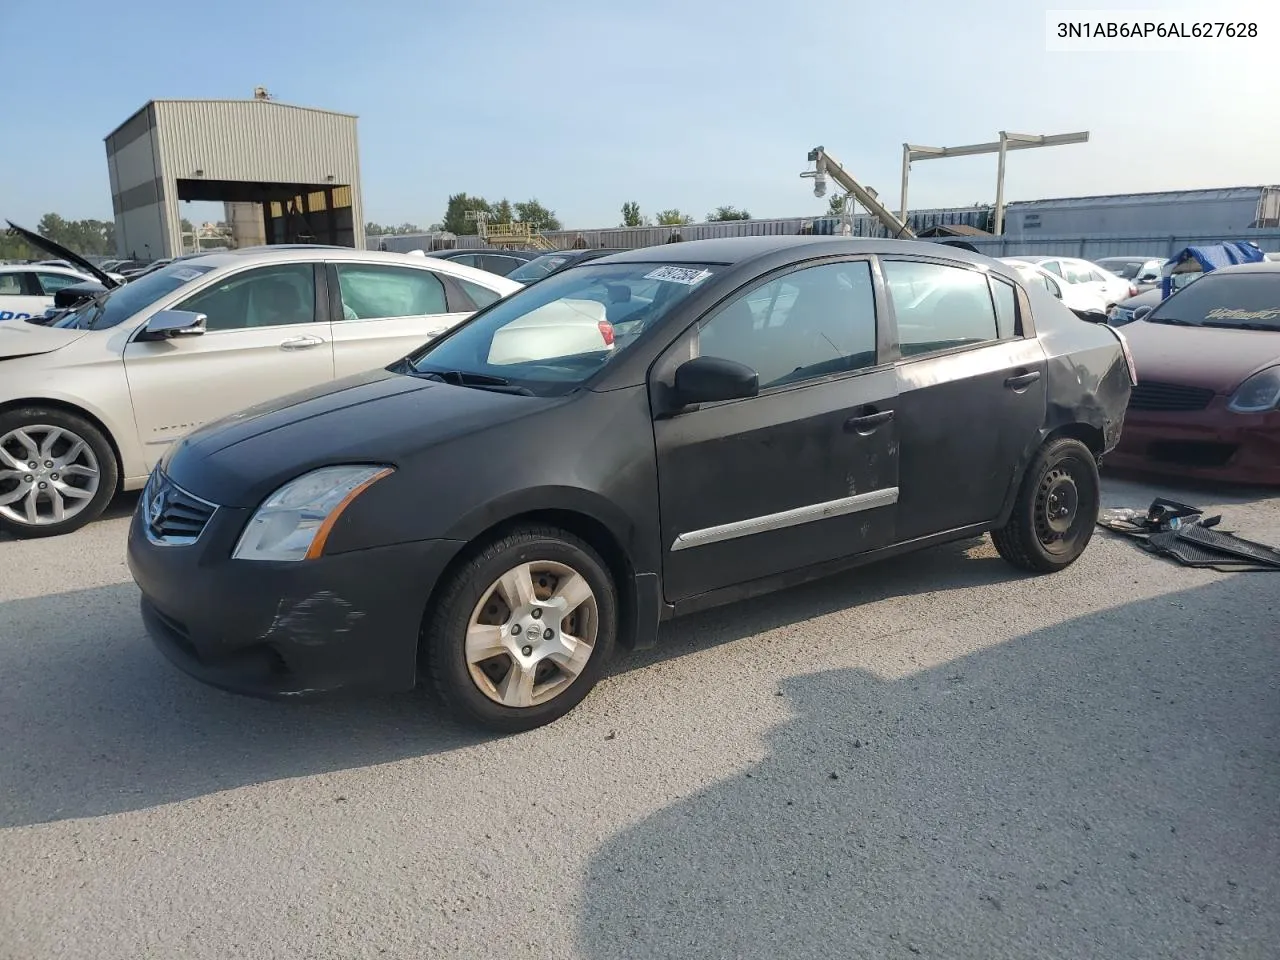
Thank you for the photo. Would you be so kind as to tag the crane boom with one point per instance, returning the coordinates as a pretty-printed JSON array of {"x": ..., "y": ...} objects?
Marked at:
[{"x": 827, "y": 166}]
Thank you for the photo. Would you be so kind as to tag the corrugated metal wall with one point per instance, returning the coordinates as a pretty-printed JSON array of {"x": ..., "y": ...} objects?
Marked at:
[{"x": 1189, "y": 211}]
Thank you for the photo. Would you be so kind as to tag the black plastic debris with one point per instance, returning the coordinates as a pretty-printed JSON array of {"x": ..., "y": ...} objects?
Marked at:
[{"x": 1183, "y": 533}]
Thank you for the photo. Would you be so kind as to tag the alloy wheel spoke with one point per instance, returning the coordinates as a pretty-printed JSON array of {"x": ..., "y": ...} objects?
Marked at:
[
  {"x": 66, "y": 490},
  {"x": 59, "y": 504},
  {"x": 29, "y": 506},
  {"x": 10, "y": 461},
  {"x": 13, "y": 496},
  {"x": 517, "y": 686},
  {"x": 28, "y": 444},
  {"x": 16, "y": 474},
  {"x": 516, "y": 587},
  {"x": 484, "y": 641},
  {"x": 572, "y": 591},
  {"x": 577, "y": 652},
  {"x": 51, "y": 437},
  {"x": 78, "y": 470},
  {"x": 73, "y": 452}
]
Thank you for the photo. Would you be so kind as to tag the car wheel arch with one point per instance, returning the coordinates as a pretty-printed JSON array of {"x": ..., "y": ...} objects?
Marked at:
[
  {"x": 1090, "y": 435},
  {"x": 598, "y": 534},
  {"x": 78, "y": 411}
]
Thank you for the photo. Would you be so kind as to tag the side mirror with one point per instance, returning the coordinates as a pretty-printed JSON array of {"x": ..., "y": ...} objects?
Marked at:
[
  {"x": 1093, "y": 316},
  {"x": 168, "y": 324},
  {"x": 1149, "y": 278},
  {"x": 1142, "y": 312},
  {"x": 709, "y": 379}
]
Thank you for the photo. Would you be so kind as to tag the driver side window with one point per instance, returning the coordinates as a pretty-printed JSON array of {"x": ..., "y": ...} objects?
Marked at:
[
  {"x": 267, "y": 297},
  {"x": 811, "y": 323}
]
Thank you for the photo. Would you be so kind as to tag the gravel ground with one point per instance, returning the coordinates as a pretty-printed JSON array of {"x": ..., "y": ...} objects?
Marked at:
[{"x": 935, "y": 757}]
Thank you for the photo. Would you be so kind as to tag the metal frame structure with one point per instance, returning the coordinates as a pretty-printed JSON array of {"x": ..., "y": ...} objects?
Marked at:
[{"x": 1008, "y": 141}]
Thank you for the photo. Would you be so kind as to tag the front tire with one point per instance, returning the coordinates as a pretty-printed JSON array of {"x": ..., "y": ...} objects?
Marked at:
[
  {"x": 1056, "y": 509},
  {"x": 57, "y": 472},
  {"x": 522, "y": 630}
]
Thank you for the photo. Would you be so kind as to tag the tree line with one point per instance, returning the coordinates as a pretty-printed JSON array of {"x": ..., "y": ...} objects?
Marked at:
[{"x": 93, "y": 238}]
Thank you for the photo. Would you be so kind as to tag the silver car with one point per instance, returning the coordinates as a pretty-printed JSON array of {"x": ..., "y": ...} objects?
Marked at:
[{"x": 90, "y": 402}]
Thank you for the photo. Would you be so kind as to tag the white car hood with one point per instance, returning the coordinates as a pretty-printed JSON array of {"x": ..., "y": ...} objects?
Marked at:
[{"x": 20, "y": 339}]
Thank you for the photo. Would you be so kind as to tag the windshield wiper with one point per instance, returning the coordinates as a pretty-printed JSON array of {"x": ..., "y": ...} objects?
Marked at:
[
  {"x": 1172, "y": 321},
  {"x": 1240, "y": 325},
  {"x": 460, "y": 378}
]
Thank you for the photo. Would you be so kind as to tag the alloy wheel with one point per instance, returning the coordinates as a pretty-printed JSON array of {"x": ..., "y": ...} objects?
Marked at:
[
  {"x": 48, "y": 474},
  {"x": 532, "y": 633}
]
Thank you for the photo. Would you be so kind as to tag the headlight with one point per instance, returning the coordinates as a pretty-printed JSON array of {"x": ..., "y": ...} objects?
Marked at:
[
  {"x": 294, "y": 522},
  {"x": 1258, "y": 394}
]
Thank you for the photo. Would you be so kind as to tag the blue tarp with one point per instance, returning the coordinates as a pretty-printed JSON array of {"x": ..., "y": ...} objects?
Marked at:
[{"x": 1209, "y": 258}]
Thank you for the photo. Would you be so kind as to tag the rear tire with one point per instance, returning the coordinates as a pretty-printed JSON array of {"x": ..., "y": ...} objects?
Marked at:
[
  {"x": 1056, "y": 509},
  {"x": 52, "y": 463},
  {"x": 522, "y": 630}
]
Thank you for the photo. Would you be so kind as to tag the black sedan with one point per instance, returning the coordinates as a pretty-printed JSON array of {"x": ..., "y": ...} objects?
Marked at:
[
  {"x": 501, "y": 262},
  {"x": 628, "y": 440}
]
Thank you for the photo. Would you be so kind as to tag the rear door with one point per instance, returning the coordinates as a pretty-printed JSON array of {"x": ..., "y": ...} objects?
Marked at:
[
  {"x": 264, "y": 338},
  {"x": 21, "y": 295},
  {"x": 805, "y": 472},
  {"x": 971, "y": 391},
  {"x": 381, "y": 312}
]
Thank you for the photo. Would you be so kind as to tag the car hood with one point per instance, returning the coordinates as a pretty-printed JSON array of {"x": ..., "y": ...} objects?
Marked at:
[
  {"x": 21, "y": 339},
  {"x": 1212, "y": 357},
  {"x": 1148, "y": 298},
  {"x": 62, "y": 253},
  {"x": 373, "y": 417}
]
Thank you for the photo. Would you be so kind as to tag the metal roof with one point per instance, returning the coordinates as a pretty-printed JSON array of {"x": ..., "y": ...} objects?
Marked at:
[{"x": 270, "y": 103}]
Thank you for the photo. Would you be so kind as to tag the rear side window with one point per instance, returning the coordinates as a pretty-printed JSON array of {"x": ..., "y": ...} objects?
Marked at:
[
  {"x": 376, "y": 292},
  {"x": 480, "y": 296},
  {"x": 1053, "y": 267},
  {"x": 939, "y": 307},
  {"x": 11, "y": 284},
  {"x": 1006, "y": 308},
  {"x": 51, "y": 283}
]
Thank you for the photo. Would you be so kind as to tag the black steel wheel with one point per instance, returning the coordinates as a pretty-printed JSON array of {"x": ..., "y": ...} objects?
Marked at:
[{"x": 1056, "y": 510}]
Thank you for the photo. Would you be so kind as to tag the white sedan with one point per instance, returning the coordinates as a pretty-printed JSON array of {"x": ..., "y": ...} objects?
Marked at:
[
  {"x": 1077, "y": 272},
  {"x": 90, "y": 403},
  {"x": 26, "y": 290},
  {"x": 1078, "y": 297}
]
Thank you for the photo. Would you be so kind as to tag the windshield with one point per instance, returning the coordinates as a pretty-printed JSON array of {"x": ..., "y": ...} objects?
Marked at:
[
  {"x": 123, "y": 302},
  {"x": 538, "y": 267},
  {"x": 552, "y": 337},
  {"x": 1127, "y": 269},
  {"x": 1245, "y": 301}
]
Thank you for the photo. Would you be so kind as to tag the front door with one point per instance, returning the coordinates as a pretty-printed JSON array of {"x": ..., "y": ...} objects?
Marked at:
[
  {"x": 262, "y": 341},
  {"x": 971, "y": 393},
  {"x": 386, "y": 312},
  {"x": 803, "y": 473}
]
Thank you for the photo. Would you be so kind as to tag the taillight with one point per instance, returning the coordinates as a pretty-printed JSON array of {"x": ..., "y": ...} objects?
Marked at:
[
  {"x": 606, "y": 331},
  {"x": 1133, "y": 289},
  {"x": 1128, "y": 356}
]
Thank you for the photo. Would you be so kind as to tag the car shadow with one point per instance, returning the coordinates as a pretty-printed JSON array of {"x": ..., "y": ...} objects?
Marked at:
[
  {"x": 1103, "y": 787},
  {"x": 101, "y": 723},
  {"x": 122, "y": 505}
]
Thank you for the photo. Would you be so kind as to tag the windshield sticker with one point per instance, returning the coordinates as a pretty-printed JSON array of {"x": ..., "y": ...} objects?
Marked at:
[
  {"x": 1227, "y": 313},
  {"x": 689, "y": 276},
  {"x": 186, "y": 274}
]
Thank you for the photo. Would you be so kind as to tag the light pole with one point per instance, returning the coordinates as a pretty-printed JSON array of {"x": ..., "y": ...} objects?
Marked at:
[{"x": 1008, "y": 141}]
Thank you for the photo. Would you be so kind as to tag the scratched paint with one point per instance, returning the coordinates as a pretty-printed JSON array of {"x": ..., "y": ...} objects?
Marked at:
[{"x": 313, "y": 621}]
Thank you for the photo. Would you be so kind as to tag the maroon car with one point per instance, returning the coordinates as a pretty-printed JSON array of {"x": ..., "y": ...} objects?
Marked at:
[{"x": 1207, "y": 404}]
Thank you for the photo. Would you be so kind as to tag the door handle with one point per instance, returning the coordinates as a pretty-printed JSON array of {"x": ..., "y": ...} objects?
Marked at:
[
  {"x": 1022, "y": 380},
  {"x": 300, "y": 343},
  {"x": 868, "y": 423}
]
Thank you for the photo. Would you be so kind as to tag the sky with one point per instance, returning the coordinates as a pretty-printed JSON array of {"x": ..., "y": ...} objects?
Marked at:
[{"x": 587, "y": 104}]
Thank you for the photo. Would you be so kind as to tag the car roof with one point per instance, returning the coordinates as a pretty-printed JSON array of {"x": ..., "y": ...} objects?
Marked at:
[
  {"x": 735, "y": 250},
  {"x": 1262, "y": 266},
  {"x": 293, "y": 253},
  {"x": 42, "y": 267}
]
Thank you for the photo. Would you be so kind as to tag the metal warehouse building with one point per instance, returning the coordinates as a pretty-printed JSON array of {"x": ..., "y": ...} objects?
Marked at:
[
  {"x": 297, "y": 169},
  {"x": 1226, "y": 211}
]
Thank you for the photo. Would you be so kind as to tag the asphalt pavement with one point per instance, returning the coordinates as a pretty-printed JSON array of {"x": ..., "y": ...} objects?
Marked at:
[{"x": 935, "y": 757}]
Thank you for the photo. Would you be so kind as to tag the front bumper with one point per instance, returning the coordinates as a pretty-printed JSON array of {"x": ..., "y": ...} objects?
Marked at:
[
  {"x": 348, "y": 622},
  {"x": 1209, "y": 444}
]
